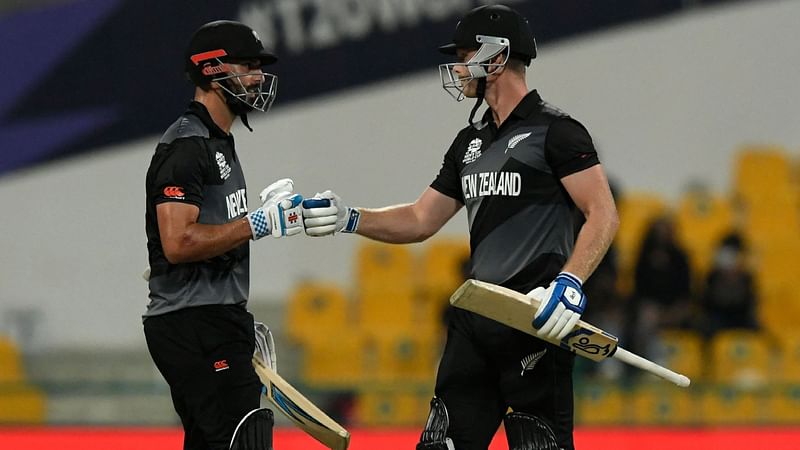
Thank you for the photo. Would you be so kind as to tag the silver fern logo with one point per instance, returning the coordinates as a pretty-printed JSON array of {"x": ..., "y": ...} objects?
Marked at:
[
  {"x": 516, "y": 140},
  {"x": 529, "y": 362}
]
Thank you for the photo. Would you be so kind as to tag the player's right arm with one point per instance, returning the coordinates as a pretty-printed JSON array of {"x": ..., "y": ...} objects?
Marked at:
[
  {"x": 176, "y": 183},
  {"x": 184, "y": 240},
  {"x": 326, "y": 214}
]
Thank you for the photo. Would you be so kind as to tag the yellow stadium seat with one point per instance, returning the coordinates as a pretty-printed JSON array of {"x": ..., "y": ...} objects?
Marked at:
[
  {"x": 601, "y": 404},
  {"x": 783, "y": 405},
  {"x": 401, "y": 356},
  {"x": 740, "y": 357},
  {"x": 391, "y": 408},
  {"x": 775, "y": 264},
  {"x": 10, "y": 362},
  {"x": 334, "y": 360},
  {"x": 728, "y": 405},
  {"x": 316, "y": 308},
  {"x": 772, "y": 227},
  {"x": 22, "y": 404},
  {"x": 759, "y": 170},
  {"x": 381, "y": 266},
  {"x": 663, "y": 405},
  {"x": 683, "y": 352},
  {"x": 386, "y": 288},
  {"x": 441, "y": 263},
  {"x": 391, "y": 306},
  {"x": 789, "y": 355},
  {"x": 701, "y": 221},
  {"x": 778, "y": 304}
]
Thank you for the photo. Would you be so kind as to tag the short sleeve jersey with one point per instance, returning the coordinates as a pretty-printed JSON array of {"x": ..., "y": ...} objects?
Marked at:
[
  {"x": 522, "y": 222},
  {"x": 195, "y": 162}
]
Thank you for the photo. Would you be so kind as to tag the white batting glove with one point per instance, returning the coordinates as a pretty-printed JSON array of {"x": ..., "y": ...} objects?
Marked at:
[
  {"x": 562, "y": 304},
  {"x": 280, "y": 214},
  {"x": 265, "y": 346},
  {"x": 325, "y": 214}
]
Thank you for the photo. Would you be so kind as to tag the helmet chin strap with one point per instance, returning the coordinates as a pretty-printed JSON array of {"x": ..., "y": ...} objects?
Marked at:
[
  {"x": 243, "y": 118},
  {"x": 479, "y": 93},
  {"x": 236, "y": 106}
]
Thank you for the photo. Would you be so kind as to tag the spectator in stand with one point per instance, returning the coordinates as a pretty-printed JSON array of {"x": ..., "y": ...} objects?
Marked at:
[
  {"x": 662, "y": 288},
  {"x": 729, "y": 298}
]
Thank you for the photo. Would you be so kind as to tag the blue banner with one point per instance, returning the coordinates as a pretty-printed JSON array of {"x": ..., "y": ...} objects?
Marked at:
[{"x": 88, "y": 73}]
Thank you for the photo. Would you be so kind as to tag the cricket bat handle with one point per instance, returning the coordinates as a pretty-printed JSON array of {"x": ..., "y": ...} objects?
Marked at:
[{"x": 644, "y": 364}]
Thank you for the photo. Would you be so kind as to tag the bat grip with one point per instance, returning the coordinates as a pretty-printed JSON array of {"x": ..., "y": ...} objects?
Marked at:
[{"x": 644, "y": 364}]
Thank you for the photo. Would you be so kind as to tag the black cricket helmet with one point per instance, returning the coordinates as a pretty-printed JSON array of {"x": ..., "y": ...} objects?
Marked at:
[
  {"x": 217, "y": 44},
  {"x": 492, "y": 30}
]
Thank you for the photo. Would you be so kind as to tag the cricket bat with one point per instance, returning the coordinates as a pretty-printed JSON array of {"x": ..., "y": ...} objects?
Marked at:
[
  {"x": 516, "y": 310},
  {"x": 300, "y": 410}
]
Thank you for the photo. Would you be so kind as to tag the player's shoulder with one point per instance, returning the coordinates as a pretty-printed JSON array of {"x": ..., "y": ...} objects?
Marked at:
[
  {"x": 184, "y": 143},
  {"x": 553, "y": 113},
  {"x": 187, "y": 126}
]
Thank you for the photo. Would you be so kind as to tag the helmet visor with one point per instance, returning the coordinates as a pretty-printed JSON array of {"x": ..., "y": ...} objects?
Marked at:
[
  {"x": 257, "y": 90},
  {"x": 456, "y": 76}
]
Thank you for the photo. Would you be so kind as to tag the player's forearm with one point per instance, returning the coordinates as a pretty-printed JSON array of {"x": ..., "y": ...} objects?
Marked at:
[
  {"x": 593, "y": 241},
  {"x": 398, "y": 224},
  {"x": 202, "y": 241}
]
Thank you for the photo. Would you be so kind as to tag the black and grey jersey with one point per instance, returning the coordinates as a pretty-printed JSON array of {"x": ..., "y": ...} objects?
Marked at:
[
  {"x": 195, "y": 162},
  {"x": 522, "y": 222}
]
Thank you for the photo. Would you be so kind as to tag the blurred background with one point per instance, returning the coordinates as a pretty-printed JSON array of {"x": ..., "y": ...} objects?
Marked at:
[{"x": 693, "y": 108}]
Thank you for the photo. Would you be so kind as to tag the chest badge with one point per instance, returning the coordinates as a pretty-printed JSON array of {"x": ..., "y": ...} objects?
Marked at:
[
  {"x": 224, "y": 168},
  {"x": 529, "y": 362},
  {"x": 516, "y": 140},
  {"x": 473, "y": 151}
]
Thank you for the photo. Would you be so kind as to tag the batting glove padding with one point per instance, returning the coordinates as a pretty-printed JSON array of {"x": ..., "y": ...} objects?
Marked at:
[
  {"x": 280, "y": 214},
  {"x": 324, "y": 214},
  {"x": 265, "y": 346},
  {"x": 562, "y": 304}
]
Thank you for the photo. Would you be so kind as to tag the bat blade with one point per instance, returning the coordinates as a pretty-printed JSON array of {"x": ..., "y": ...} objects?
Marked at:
[
  {"x": 516, "y": 310},
  {"x": 300, "y": 410}
]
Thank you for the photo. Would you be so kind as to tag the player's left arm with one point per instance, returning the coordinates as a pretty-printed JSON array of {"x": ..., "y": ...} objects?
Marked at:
[
  {"x": 571, "y": 154},
  {"x": 563, "y": 301},
  {"x": 591, "y": 193}
]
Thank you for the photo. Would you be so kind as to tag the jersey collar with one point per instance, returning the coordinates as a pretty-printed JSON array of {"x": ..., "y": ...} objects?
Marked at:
[
  {"x": 198, "y": 109},
  {"x": 529, "y": 104}
]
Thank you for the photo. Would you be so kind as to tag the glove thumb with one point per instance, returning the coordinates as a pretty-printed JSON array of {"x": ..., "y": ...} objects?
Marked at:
[
  {"x": 282, "y": 185},
  {"x": 540, "y": 294}
]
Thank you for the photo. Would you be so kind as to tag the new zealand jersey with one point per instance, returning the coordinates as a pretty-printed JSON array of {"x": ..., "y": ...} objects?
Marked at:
[
  {"x": 195, "y": 162},
  {"x": 522, "y": 222}
]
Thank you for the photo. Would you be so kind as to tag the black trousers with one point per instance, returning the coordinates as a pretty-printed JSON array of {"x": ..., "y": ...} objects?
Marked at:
[
  {"x": 487, "y": 367},
  {"x": 204, "y": 353}
]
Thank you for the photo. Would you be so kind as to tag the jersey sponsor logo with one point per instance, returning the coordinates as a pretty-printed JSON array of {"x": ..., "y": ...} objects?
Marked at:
[
  {"x": 529, "y": 362},
  {"x": 516, "y": 140},
  {"x": 484, "y": 184},
  {"x": 224, "y": 168},
  {"x": 237, "y": 203},
  {"x": 473, "y": 151},
  {"x": 175, "y": 192},
  {"x": 221, "y": 365}
]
